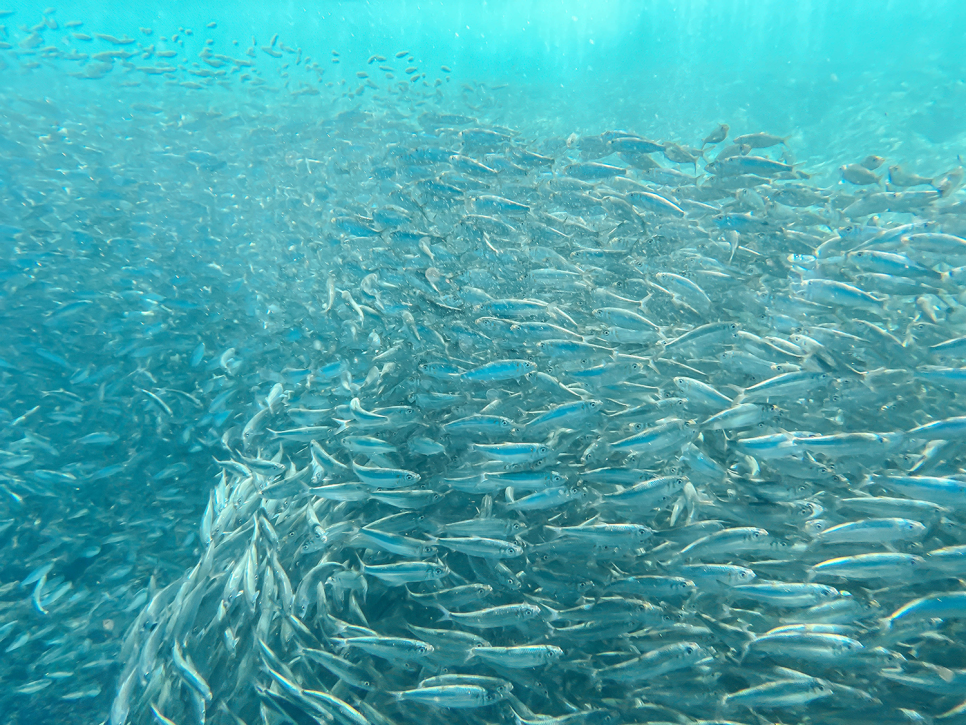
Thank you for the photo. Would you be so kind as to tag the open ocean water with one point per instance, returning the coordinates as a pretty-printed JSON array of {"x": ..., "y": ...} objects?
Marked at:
[{"x": 538, "y": 363}]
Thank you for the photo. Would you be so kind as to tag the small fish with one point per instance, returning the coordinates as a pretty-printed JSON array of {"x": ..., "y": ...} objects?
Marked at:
[
  {"x": 500, "y": 616},
  {"x": 759, "y": 140},
  {"x": 451, "y": 696},
  {"x": 404, "y": 572},
  {"x": 779, "y": 694},
  {"x": 482, "y": 547},
  {"x": 885, "y": 565},
  {"x": 498, "y": 371},
  {"x": 950, "y": 605},
  {"x": 393, "y": 649},
  {"x": 513, "y": 452},
  {"x": 858, "y": 174},
  {"x": 716, "y": 136},
  {"x": 385, "y": 477},
  {"x": 525, "y": 656}
]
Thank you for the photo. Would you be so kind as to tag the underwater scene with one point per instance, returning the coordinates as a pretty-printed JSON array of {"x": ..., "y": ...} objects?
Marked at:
[{"x": 549, "y": 362}]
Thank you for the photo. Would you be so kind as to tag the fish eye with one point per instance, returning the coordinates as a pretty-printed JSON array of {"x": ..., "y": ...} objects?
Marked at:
[
  {"x": 410, "y": 477},
  {"x": 689, "y": 650}
]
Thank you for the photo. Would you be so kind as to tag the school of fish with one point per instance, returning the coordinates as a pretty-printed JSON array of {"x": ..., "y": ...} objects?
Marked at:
[{"x": 399, "y": 414}]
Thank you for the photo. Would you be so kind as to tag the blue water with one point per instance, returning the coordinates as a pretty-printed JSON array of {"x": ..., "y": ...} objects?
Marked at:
[
  {"x": 170, "y": 218},
  {"x": 849, "y": 75}
]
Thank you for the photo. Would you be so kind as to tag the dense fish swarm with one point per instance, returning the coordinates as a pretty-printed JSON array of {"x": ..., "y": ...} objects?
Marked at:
[{"x": 597, "y": 429}]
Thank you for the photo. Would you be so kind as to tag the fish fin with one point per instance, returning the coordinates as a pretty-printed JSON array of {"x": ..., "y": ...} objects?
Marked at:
[
  {"x": 486, "y": 509},
  {"x": 945, "y": 673},
  {"x": 617, "y": 572},
  {"x": 676, "y": 510},
  {"x": 554, "y": 615},
  {"x": 569, "y": 705}
]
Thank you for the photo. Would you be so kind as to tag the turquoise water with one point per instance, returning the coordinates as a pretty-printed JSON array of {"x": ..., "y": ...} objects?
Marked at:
[
  {"x": 382, "y": 362},
  {"x": 857, "y": 74}
]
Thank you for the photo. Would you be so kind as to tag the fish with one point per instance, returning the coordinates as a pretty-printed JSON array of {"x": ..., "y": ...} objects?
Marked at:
[
  {"x": 719, "y": 134},
  {"x": 657, "y": 662},
  {"x": 858, "y": 174},
  {"x": 451, "y": 696},
  {"x": 759, "y": 140},
  {"x": 525, "y": 656},
  {"x": 405, "y": 572},
  {"x": 492, "y": 617},
  {"x": 874, "y": 565},
  {"x": 779, "y": 694},
  {"x": 393, "y": 649},
  {"x": 329, "y": 395}
]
